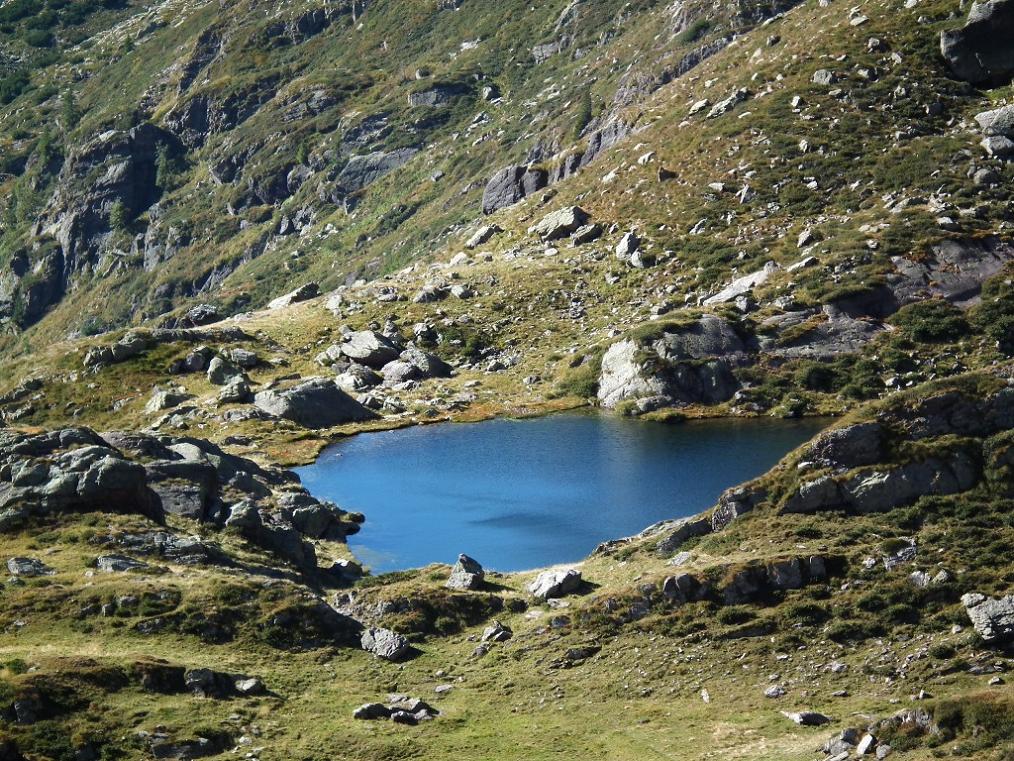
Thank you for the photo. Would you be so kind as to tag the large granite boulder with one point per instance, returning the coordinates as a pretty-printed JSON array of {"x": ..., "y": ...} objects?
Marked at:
[
  {"x": 560, "y": 223},
  {"x": 980, "y": 52},
  {"x": 367, "y": 347},
  {"x": 686, "y": 364},
  {"x": 555, "y": 583},
  {"x": 314, "y": 403}
]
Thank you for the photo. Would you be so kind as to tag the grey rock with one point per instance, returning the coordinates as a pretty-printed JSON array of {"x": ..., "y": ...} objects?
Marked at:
[
  {"x": 954, "y": 270},
  {"x": 682, "y": 530},
  {"x": 364, "y": 170},
  {"x": 370, "y": 348},
  {"x": 560, "y": 223},
  {"x": 314, "y": 403},
  {"x": 248, "y": 686},
  {"x": 998, "y": 122},
  {"x": 466, "y": 574},
  {"x": 372, "y": 711},
  {"x": 743, "y": 285},
  {"x": 302, "y": 293},
  {"x": 496, "y": 632},
  {"x": 979, "y": 51},
  {"x": 628, "y": 245},
  {"x": 483, "y": 235},
  {"x": 992, "y": 618},
  {"x": 118, "y": 564},
  {"x": 221, "y": 372},
  {"x": 849, "y": 447},
  {"x": 385, "y": 644},
  {"x": 555, "y": 583},
  {"x": 726, "y": 105},
  {"x": 28, "y": 567},
  {"x": 586, "y": 234},
  {"x": 691, "y": 364},
  {"x": 164, "y": 399},
  {"x": 824, "y": 77},
  {"x": 244, "y": 358},
  {"x": 807, "y": 718}
]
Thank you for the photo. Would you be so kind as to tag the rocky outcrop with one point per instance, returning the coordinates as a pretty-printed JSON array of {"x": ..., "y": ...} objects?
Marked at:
[
  {"x": 515, "y": 182},
  {"x": 685, "y": 364},
  {"x": 877, "y": 490},
  {"x": 361, "y": 171},
  {"x": 849, "y": 447},
  {"x": 822, "y": 334},
  {"x": 954, "y": 270},
  {"x": 979, "y": 52},
  {"x": 304, "y": 292},
  {"x": 75, "y": 470},
  {"x": 438, "y": 95},
  {"x": 313, "y": 403},
  {"x": 510, "y": 185}
]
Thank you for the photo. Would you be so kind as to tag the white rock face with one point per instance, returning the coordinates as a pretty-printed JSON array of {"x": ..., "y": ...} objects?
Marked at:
[
  {"x": 622, "y": 376},
  {"x": 743, "y": 285},
  {"x": 555, "y": 583}
]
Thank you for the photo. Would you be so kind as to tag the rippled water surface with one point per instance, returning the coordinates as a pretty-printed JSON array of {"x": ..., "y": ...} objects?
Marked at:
[{"x": 518, "y": 494}]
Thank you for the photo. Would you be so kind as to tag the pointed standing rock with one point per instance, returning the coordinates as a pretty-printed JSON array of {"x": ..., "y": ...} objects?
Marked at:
[{"x": 466, "y": 574}]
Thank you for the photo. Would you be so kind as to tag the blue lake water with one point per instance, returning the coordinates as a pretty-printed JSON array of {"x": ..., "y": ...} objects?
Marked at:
[{"x": 517, "y": 494}]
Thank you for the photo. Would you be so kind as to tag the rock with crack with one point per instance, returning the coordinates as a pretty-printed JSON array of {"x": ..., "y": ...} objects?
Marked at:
[
  {"x": 993, "y": 618},
  {"x": 314, "y": 403},
  {"x": 555, "y": 583},
  {"x": 385, "y": 644},
  {"x": 466, "y": 574}
]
